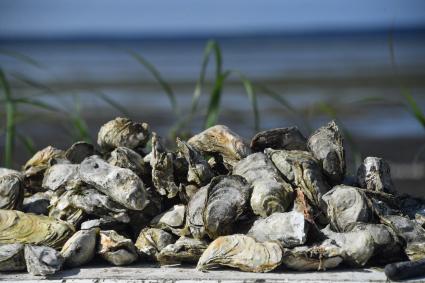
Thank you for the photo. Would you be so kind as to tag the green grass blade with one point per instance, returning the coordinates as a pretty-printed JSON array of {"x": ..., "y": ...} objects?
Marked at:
[
  {"x": 414, "y": 107},
  {"x": 112, "y": 103},
  {"x": 285, "y": 103},
  {"x": 10, "y": 121},
  {"x": 158, "y": 77},
  {"x": 28, "y": 143},
  {"x": 275, "y": 95},
  {"x": 252, "y": 96},
  {"x": 214, "y": 103},
  {"x": 81, "y": 131},
  {"x": 36, "y": 103},
  {"x": 212, "y": 46},
  {"x": 21, "y": 57},
  {"x": 32, "y": 83}
]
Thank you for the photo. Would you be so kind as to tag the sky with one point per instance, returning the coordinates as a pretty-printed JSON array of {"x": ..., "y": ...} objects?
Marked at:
[{"x": 50, "y": 18}]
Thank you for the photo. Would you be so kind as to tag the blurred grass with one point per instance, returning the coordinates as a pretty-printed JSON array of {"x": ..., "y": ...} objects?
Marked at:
[
  {"x": 10, "y": 120},
  {"x": 410, "y": 103},
  {"x": 157, "y": 75},
  {"x": 78, "y": 129}
]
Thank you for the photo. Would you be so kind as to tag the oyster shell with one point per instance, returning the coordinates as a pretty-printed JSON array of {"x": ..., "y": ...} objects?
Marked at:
[
  {"x": 183, "y": 250},
  {"x": 121, "y": 185},
  {"x": 374, "y": 174},
  {"x": 322, "y": 256},
  {"x": 387, "y": 248},
  {"x": 195, "y": 209},
  {"x": 326, "y": 144},
  {"x": 199, "y": 171},
  {"x": 61, "y": 177},
  {"x": 12, "y": 257},
  {"x": 151, "y": 241},
  {"x": 79, "y": 151},
  {"x": 171, "y": 220},
  {"x": 26, "y": 228},
  {"x": 80, "y": 248},
  {"x": 162, "y": 169},
  {"x": 301, "y": 169},
  {"x": 357, "y": 246},
  {"x": 410, "y": 232},
  {"x": 289, "y": 229},
  {"x": 123, "y": 132},
  {"x": 346, "y": 205},
  {"x": 11, "y": 189},
  {"x": 116, "y": 249},
  {"x": 62, "y": 209},
  {"x": 95, "y": 203},
  {"x": 220, "y": 139},
  {"x": 127, "y": 158},
  {"x": 38, "y": 203},
  {"x": 73, "y": 205},
  {"x": 270, "y": 192},
  {"x": 35, "y": 167},
  {"x": 242, "y": 252},
  {"x": 228, "y": 198},
  {"x": 415, "y": 250},
  {"x": 280, "y": 138},
  {"x": 412, "y": 207},
  {"x": 41, "y": 260},
  {"x": 186, "y": 192}
]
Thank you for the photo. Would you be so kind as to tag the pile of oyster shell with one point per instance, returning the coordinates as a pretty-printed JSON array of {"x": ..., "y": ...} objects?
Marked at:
[{"x": 281, "y": 201}]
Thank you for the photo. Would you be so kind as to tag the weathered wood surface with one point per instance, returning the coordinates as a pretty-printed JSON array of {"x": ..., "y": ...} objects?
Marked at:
[{"x": 187, "y": 273}]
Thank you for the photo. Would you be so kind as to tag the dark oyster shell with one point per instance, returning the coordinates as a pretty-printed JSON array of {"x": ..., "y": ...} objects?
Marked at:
[
  {"x": 38, "y": 203},
  {"x": 270, "y": 192},
  {"x": 410, "y": 233},
  {"x": 11, "y": 189},
  {"x": 123, "y": 132},
  {"x": 195, "y": 209},
  {"x": 79, "y": 151},
  {"x": 280, "y": 138},
  {"x": 162, "y": 165},
  {"x": 326, "y": 144},
  {"x": 346, "y": 206},
  {"x": 301, "y": 169},
  {"x": 228, "y": 198},
  {"x": 199, "y": 171}
]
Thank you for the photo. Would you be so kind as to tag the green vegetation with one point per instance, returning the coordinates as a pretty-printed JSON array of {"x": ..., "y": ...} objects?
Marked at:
[
  {"x": 409, "y": 102},
  {"x": 77, "y": 129}
]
